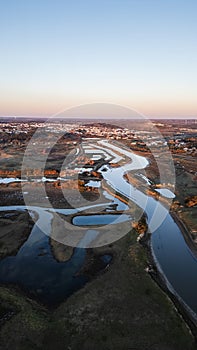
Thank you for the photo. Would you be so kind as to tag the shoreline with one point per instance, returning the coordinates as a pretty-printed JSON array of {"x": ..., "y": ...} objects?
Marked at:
[
  {"x": 185, "y": 232},
  {"x": 158, "y": 277}
]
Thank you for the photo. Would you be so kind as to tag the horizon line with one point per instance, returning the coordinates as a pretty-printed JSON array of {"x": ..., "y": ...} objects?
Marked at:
[{"x": 93, "y": 117}]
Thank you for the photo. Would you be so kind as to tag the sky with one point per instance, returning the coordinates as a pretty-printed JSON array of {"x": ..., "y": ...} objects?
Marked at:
[{"x": 137, "y": 53}]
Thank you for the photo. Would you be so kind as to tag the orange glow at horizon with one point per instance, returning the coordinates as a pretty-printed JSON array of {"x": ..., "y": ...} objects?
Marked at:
[{"x": 47, "y": 106}]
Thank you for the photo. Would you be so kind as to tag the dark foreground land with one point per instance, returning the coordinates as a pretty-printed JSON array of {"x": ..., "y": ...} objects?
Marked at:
[{"x": 122, "y": 308}]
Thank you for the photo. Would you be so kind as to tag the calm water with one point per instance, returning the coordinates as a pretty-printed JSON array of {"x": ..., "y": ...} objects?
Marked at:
[
  {"x": 35, "y": 269},
  {"x": 107, "y": 219},
  {"x": 165, "y": 192},
  {"x": 172, "y": 254}
]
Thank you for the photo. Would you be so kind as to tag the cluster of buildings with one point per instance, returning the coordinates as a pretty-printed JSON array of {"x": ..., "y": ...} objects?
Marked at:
[{"x": 178, "y": 138}]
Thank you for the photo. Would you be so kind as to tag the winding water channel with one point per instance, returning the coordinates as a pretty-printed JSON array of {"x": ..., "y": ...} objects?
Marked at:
[
  {"x": 171, "y": 252},
  {"x": 172, "y": 255}
]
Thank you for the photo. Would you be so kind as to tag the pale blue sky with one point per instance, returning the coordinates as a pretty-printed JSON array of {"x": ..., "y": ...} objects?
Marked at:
[{"x": 138, "y": 53}]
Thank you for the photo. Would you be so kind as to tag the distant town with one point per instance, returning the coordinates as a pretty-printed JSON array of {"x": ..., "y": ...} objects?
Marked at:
[{"x": 179, "y": 135}]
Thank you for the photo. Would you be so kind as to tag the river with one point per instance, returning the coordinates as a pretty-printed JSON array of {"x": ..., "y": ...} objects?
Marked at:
[{"x": 173, "y": 257}]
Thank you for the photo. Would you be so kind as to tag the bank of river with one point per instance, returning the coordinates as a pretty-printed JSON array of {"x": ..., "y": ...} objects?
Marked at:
[
  {"x": 172, "y": 255},
  {"x": 35, "y": 269}
]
